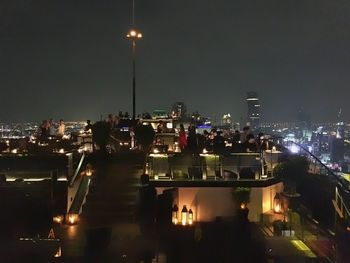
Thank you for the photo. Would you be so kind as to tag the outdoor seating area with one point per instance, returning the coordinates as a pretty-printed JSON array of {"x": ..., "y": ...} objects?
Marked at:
[{"x": 207, "y": 167}]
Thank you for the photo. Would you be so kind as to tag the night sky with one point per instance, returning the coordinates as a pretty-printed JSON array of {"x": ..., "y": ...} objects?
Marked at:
[{"x": 70, "y": 58}]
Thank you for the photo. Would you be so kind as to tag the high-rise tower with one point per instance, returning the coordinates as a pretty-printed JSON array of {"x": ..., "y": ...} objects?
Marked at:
[{"x": 253, "y": 109}]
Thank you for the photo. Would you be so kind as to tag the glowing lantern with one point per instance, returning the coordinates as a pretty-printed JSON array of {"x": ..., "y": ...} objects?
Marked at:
[
  {"x": 58, "y": 219},
  {"x": 243, "y": 206},
  {"x": 204, "y": 174},
  {"x": 14, "y": 151},
  {"x": 155, "y": 150},
  {"x": 58, "y": 252},
  {"x": 190, "y": 217},
  {"x": 184, "y": 215},
  {"x": 277, "y": 203},
  {"x": 177, "y": 147},
  {"x": 88, "y": 171},
  {"x": 174, "y": 218},
  {"x": 147, "y": 168},
  {"x": 72, "y": 219}
]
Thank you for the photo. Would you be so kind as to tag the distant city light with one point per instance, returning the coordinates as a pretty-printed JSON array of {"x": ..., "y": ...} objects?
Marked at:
[{"x": 294, "y": 149}]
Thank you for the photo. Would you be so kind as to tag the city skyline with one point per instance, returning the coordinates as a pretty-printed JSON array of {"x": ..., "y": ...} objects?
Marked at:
[{"x": 72, "y": 60}]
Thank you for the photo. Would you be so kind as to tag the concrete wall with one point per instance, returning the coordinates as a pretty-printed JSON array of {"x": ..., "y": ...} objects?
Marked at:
[{"x": 207, "y": 203}]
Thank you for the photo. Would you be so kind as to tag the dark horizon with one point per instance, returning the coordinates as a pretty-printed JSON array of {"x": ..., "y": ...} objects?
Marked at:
[{"x": 70, "y": 60}]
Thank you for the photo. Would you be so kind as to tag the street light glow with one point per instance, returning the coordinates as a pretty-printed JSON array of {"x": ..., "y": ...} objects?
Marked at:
[{"x": 134, "y": 34}]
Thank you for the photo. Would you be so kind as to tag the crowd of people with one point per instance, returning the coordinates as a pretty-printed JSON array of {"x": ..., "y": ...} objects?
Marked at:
[
  {"x": 49, "y": 128},
  {"x": 220, "y": 142}
]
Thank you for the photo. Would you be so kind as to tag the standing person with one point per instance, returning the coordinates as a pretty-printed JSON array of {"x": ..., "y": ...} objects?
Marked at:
[
  {"x": 88, "y": 127},
  {"x": 207, "y": 142},
  {"x": 246, "y": 131},
  {"x": 44, "y": 130},
  {"x": 61, "y": 128},
  {"x": 182, "y": 137},
  {"x": 250, "y": 144},
  {"x": 236, "y": 137},
  {"x": 219, "y": 143},
  {"x": 52, "y": 128},
  {"x": 111, "y": 121},
  {"x": 192, "y": 143}
]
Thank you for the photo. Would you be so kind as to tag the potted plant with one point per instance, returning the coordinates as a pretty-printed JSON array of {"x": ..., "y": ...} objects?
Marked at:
[{"x": 279, "y": 226}]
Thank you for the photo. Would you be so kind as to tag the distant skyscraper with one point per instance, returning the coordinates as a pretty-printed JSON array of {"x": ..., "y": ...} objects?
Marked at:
[
  {"x": 253, "y": 109},
  {"x": 178, "y": 110},
  {"x": 340, "y": 126},
  {"x": 336, "y": 149}
]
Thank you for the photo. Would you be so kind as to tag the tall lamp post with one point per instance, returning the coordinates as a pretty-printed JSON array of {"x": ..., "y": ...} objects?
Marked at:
[{"x": 134, "y": 35}]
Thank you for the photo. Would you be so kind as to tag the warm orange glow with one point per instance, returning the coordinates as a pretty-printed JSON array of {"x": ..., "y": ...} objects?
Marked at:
[
  {"x": 190, "y": 217},
  {"x": 58, "y": 219},
  {"x": 277, "y": 208},
  {"x": 58, "y": 252},
  {"x": 243, "y": 206},
  {"x": 88, "y": 171},
  {"x": 184, "y": 216},
  {"x": 14, "y": 151},
  {"x": 72, "y": 219},
  {"x": 134, "y": 34},
  {"x": 277, "y": 203},
  {"x": 174, "y": 218}
]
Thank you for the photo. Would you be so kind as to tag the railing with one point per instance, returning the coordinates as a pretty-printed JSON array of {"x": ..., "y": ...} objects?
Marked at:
[
  {"x": 78, "y": 189},
  {"x": 71, "y": 183},
  {"x": 342, "y": 195},
  {"x": 79, "y": 198},
  {"x": 177, "y": 166}
]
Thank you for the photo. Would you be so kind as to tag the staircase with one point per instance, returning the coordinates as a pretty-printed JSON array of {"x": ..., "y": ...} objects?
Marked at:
[{"x": 112, "y": 198}]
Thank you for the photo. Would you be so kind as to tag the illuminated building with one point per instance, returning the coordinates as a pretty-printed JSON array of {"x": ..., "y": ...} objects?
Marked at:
[
  {"x": 226, "y": 119},
  {"x": 253, "y": 109}
]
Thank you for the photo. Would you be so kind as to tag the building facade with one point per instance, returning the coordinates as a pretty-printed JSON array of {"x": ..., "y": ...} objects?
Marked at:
[{"x": 253, "y": 109}]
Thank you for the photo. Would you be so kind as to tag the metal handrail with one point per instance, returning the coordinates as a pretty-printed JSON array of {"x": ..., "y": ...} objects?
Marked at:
[
  {"x": 77, "y": 170},
  {"x": 319, "y": 162},
  {"x": 331, "y": 173}
]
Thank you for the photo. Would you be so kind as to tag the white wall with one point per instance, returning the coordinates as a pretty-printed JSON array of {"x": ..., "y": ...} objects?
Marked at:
[{"x": 207, "y": 203}]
